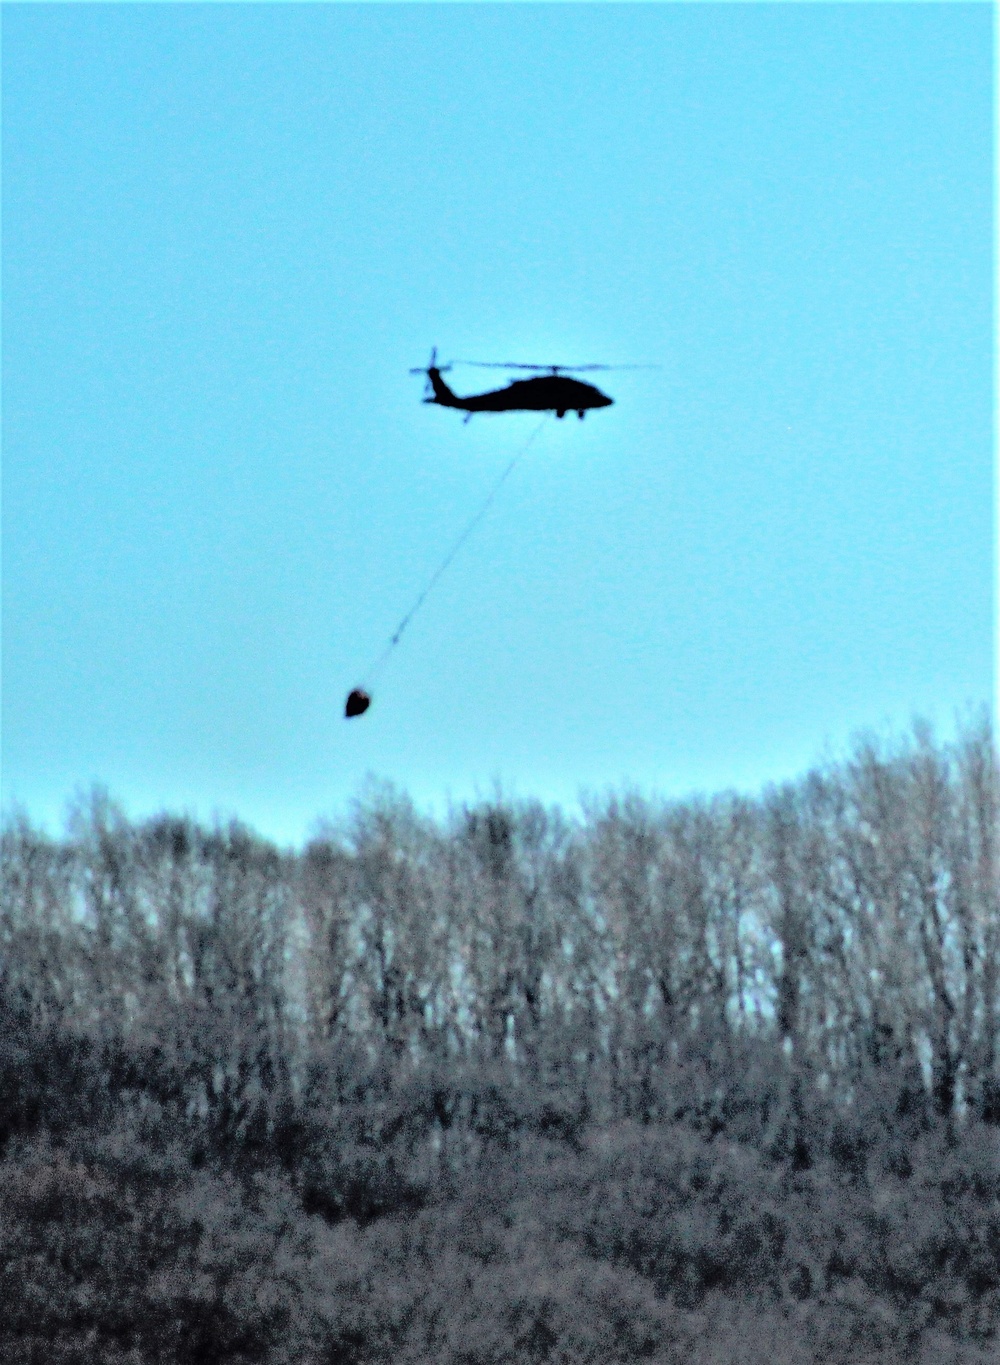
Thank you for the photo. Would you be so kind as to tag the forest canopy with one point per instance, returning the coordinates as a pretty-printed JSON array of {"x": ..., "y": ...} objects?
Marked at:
[{"x": 695, "y": 1063}]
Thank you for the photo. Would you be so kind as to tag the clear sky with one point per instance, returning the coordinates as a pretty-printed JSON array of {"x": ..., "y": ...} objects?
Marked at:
[{"x": 229, "y": 231}]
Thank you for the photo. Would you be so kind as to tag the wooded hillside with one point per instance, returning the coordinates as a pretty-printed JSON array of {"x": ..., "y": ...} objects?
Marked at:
[{"x": 713, "y": 1080}]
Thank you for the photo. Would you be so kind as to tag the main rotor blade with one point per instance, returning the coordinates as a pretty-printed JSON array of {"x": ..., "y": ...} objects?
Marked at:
[
  {"x": 504, "y": 365},
  {"x": 575, "y": 369},
  {"x": 547, "y": 369}
]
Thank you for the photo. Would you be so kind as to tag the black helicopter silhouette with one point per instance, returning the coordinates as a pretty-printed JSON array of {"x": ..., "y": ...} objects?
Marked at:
[{"x": 553, "y": 389}]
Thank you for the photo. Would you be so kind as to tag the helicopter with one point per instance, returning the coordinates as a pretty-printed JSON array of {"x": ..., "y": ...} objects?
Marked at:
[{"x": 551, "y": 389}]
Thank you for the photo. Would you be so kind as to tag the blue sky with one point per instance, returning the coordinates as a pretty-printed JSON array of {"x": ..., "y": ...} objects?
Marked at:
[{"x": 229, "y": 231}]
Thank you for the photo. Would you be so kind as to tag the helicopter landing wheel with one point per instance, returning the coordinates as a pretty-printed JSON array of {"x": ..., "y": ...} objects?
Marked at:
[
  {"x": 580, "y": 414},
  {"x": 561, "y": 412}
]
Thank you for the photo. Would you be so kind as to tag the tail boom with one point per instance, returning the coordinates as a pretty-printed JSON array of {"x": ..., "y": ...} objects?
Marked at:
[{"x": 443, "y": 396}]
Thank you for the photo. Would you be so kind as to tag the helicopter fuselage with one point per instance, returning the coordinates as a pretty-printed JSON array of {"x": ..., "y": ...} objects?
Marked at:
[{"x": 558, "y": 393}]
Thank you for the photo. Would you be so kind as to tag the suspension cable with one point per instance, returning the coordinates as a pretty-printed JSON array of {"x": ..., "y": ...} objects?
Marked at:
[{"x": 376, "y": 667}]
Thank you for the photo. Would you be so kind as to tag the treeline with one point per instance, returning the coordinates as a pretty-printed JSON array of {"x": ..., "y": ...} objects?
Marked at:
[{"x": 709, "y": 1053}]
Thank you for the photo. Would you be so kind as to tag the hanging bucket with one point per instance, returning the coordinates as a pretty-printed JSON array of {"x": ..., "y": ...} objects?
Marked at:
[{"x": 357, "y": 704}]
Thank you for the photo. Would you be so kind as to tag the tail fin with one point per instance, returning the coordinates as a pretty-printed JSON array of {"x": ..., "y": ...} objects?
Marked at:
[{"x": 442, "y": 393}]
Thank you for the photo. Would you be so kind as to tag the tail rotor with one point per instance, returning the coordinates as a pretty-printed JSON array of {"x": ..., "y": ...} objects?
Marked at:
[{"x": 426, "y": 370}]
